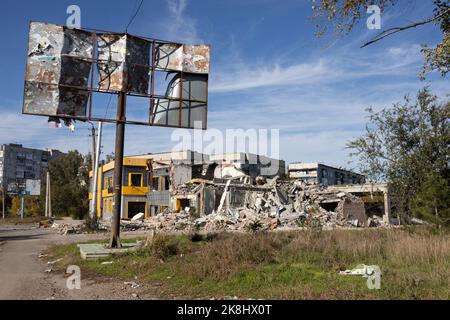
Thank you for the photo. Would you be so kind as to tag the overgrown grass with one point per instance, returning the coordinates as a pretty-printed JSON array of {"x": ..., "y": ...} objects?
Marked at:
[{"x": 287, "y": 265}]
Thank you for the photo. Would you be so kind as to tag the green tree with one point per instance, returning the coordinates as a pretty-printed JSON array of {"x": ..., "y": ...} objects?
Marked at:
[
  {"x": 408, "y": 146},
  {"x": 432, "y": 202},
  {"x": 110, "y": 157},
  {"x": 69, "y": 185},
  {"x": 341, "y": 16}
]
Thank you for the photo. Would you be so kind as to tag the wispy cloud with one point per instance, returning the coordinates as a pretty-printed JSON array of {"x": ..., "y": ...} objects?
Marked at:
[
  {"x": 179, "y": 25},
  {"x": 340, "y": 66}
]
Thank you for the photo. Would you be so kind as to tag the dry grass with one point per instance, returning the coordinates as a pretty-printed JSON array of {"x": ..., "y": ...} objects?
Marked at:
[{"x": 295, "y": 265}]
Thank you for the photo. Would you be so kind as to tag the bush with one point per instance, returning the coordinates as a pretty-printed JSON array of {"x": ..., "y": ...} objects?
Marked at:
[
  {"x": 32, "y": 206},
  {"x": 164, "y": 246}
]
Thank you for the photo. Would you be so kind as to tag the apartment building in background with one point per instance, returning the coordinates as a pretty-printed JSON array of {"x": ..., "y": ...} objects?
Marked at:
[
  {"x": 316, "y": 173},
  {"x": 18, "y": 164}
]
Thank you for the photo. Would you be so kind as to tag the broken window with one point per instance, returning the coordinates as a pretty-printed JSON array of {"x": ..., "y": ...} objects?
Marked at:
[
  {"x": 136, "y": 180},
  {"x": 135, "y": 208},
  {"x": 166, "y": 183},
  {"x": 183, "y": 204},
  {"x": 155, "y": 210},
  {"x": 155, "y": 183}
]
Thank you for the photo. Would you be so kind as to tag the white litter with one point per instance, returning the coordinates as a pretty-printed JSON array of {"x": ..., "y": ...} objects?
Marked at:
[
  {"x": 361, "y": 270},
  {"x": 56, "y": 261},
  {"x": 133, "y": 284}
]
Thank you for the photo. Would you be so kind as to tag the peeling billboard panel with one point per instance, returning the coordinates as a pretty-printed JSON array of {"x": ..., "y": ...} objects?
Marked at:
[
  {"x": 183, "y": 58},
  {"x": 58, "y": 58},
  {"x": 111, "y": 55},
  {"x": 60, "y": 74},
  {"x": 123, "y": 63},
  {"x": 196, "y": 59}
]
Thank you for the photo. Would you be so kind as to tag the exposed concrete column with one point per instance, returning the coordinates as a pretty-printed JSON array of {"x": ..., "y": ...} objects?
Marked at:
[{"x": 387, "y": 207}]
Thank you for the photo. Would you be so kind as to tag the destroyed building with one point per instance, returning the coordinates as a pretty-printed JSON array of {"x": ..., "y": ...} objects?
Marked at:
[
  {"x": 235, "y": 205},
  {"x": 189, "y": 191},
  {"x": 146, "y": 183},
  {"x": 252, "y": 165},
  {"x": 151, "y": 182},
  {"x": 320, "y": 174}
]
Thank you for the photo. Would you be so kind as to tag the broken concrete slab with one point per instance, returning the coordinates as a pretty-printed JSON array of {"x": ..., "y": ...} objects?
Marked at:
[
  {"x": 139, "y": 217},
  {"x": 92, "y": 251}
]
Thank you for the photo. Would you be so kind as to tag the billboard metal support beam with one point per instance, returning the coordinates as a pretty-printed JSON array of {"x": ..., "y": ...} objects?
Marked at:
[{"x": 118, "y": 166}]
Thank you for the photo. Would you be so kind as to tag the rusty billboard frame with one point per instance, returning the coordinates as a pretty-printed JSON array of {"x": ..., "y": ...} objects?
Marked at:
[{"x": 154, "y": 67}]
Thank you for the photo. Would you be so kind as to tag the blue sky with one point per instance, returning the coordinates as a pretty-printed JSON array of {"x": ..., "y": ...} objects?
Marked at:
[{"x": 268, "y": 70}]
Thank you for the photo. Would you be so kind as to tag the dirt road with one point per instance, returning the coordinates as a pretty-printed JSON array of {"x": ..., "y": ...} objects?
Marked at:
[{"x": 23, "y": 276}]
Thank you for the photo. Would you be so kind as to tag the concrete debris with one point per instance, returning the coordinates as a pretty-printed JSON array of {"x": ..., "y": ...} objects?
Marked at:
[
  {"x": 45, "y": 223},
  {"x": 236, "y": 204},
  {"x": 374, "y": 222},
  {"x": 230, "y": 171},
  {"x": 138, "y": 217},
  {"x": 269, "y": 204},
  {"x": 132, "y": 225},
  {"x": 132, "y": 284},
  {"x": 418, "y": 221},
  {"x": 361, "y": 270},
  {"x": 351, "y": 209},
  {"x": 66, "y": 229}
]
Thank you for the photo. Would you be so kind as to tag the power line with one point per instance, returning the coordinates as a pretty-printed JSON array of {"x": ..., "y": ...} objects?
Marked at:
[
  {"x": 107, "y": 107},
  {"x": 134, "y": 16}
]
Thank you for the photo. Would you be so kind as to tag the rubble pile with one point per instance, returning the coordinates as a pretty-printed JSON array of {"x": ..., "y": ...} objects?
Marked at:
[
  {"x": 268, "y": 205},
  {"x": 170, "y": 221},
  {"x": 66, "y": 228},
  {"x": 125, "y": 225}
]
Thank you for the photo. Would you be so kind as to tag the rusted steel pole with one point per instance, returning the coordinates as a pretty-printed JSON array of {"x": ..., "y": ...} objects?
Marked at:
[{"x": 118, "y": 165}]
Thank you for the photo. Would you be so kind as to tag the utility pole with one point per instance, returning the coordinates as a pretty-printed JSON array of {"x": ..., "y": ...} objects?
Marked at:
[
  {"x": 47, "y": 196},
  {"x": 95, "y": 177},
  {"x": 93, "y": 157},
  {"x": 93, "y": 146},
  {"x": 3, "y": 202},
  {"x": 118, "y": 164},
  {"x": 22, "y": 204}
]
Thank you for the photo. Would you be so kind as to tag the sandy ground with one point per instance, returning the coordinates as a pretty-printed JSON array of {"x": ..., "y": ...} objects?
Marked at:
[{"x": 23, "y": 276}]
